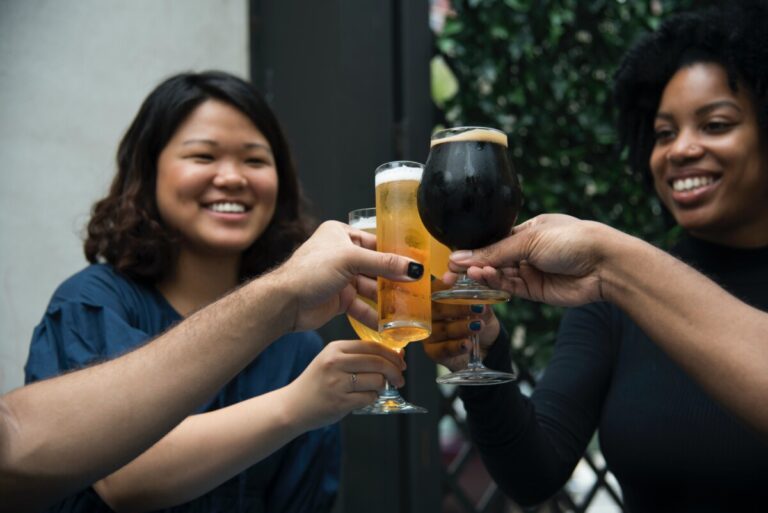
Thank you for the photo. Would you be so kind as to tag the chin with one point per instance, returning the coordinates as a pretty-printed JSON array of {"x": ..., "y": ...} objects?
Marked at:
[{"x": 227, "y": 247}]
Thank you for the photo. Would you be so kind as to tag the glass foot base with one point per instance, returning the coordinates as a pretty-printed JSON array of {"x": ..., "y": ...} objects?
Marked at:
[
  {"x": 389, "y": 405},
  {"x": 476, "y": 377},
  {"x": 470, "y": 296}
]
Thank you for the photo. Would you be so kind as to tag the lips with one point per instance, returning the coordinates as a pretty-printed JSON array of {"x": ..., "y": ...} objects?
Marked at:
[{"x": 691, "y": 189}]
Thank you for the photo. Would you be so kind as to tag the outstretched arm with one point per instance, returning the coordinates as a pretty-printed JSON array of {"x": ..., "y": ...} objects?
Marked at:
[
  {"x": 64, "y": 433},
  {"x": 236, "y": 437},
  {"x": 720, "y": 341}
]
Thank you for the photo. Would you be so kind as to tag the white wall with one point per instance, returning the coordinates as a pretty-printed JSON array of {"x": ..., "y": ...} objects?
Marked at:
[{"x": 72, "y": 75}]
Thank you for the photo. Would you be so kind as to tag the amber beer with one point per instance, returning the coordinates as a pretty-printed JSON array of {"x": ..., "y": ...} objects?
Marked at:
[
  {"x": 438, "y": 260},
  {"x": 405, "y": 308},
  {"x": 365, "y": 219}
]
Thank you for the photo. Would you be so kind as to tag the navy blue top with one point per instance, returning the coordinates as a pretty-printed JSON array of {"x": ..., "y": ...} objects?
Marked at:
[
  {"x": 98, "y": 314},
  {"x": 671, "y": 446}
]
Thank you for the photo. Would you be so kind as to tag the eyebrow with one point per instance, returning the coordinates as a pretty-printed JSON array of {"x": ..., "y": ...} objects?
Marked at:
[
  {"x": 706, "y": 109},
  {"x": 210, "y": 142}
]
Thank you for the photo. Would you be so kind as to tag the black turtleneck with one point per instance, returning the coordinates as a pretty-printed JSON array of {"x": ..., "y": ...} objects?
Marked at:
[{"x": 670, "y": 445}]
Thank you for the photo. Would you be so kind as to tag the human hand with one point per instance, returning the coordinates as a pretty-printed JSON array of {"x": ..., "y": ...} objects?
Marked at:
[
  {"x": 346, "y": 375},
  {"x": 551, "y": 258},
  {"x": 322, "y": 275},
  {"x": 452, "y": 325}
]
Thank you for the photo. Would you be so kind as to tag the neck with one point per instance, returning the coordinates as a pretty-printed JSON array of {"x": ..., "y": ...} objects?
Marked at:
[
  {"x": 743, "y": 237},
  {"x": 197, "y": 280}
]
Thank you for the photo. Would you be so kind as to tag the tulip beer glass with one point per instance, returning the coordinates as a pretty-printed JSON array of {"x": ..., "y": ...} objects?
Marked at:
[{"x": 469, "y": 198}]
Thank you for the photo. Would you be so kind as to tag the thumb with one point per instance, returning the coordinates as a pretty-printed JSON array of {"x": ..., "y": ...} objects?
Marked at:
[{"x": 503, "y": 253}]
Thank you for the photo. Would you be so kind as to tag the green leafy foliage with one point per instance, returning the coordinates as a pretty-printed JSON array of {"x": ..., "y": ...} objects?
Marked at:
[{"x": 541, "y": 71}]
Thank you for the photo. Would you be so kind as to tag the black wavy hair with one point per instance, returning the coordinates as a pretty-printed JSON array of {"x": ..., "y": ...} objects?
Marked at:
[
  {"x": 126, "y": 229},
  {"x": 732, "y": 35}
]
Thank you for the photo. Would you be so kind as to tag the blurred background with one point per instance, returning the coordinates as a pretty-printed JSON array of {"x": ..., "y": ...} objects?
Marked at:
[{"x": 355, "y": 83}]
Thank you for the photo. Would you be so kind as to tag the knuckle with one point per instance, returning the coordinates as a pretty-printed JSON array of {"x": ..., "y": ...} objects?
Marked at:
[{"x": 390, "y": 261}]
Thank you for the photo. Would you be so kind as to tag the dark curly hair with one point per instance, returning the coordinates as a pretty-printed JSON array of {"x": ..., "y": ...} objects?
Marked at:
[
  {"x": 732, "y": 35},
  {"x": 126, "y": 229}
]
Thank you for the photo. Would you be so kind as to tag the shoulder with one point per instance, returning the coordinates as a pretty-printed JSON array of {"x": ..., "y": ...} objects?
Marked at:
[
  {"x": 100, "y": 285},
  {"x": 95, "y": 313},
  {"x": 94, "y": 279}
]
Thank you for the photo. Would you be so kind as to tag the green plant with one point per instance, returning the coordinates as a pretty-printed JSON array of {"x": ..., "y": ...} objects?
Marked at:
[{"x": 541, "y": 71}]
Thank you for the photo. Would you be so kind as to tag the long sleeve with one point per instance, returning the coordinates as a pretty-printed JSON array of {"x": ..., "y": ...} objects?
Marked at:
[{"x": 531, "y": 446}]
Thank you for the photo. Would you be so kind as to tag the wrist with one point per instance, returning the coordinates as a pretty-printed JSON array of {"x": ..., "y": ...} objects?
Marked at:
[
  {"x": 289, "y": 411},
  {"x": 622, "y": 258},
  {"x": 284, "y": 298}
]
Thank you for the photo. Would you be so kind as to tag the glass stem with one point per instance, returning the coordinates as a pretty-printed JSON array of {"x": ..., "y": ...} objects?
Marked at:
[
  {"x": 464, "y": 280},
  {"x": 389, "y": 390},
  {"x": 474, "y": 356}
]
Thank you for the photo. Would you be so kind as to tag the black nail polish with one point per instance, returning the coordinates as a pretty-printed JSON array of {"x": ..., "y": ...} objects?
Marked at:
[
  {"x": 477, "y": 309},
  {"x": 475, "y": 325},
  {"x": 415, "y": 270}
]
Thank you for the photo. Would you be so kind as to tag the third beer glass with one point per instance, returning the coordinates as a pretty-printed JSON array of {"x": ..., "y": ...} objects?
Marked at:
[
  {"x": 389, "y": 400},
  {"x": 469, "y": 198}
]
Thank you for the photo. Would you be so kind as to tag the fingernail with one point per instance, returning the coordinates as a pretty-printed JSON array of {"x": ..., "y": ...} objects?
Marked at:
[
  {"x": 475, "y": 325},
  {"x": 415, "y": 270},
  {"x": 478, "y": 309},
  {"x": 461, "y": 255}
]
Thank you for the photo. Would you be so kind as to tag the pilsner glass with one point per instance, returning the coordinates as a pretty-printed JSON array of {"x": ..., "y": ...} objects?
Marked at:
[
  {"x": 469, "y": 198},
  {"x": 390, "y": 400},
  {"x": 405, "y": 308}
]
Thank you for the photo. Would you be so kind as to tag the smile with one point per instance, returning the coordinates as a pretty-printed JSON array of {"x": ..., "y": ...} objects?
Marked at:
[
  {"x": 227, "y": 207},
  {"x": 691, "y": 183}
]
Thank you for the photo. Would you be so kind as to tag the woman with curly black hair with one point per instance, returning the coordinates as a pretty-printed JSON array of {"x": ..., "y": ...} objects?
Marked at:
[
  {"x": 205, "y": 197},
  {"x": 693, "y": 110}
]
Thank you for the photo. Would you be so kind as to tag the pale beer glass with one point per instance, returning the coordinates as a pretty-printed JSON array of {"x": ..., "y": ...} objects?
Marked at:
[
  {"x": 405, "y": 308},
  {"x": 389, "y": 400}
]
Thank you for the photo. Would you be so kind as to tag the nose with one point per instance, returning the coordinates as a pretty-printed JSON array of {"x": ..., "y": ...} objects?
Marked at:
[
  {"x": 229, "y": 176},
  {"x": 686, "y": 147}
]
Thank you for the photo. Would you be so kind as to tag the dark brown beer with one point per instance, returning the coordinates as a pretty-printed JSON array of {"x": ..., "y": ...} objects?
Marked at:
[{"x": 469, "y": 195}]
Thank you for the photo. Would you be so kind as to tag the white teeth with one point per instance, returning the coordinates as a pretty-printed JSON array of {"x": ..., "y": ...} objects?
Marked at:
[
  {"x": 688, "y": 184},
  {"x": 227, "y": 207}
]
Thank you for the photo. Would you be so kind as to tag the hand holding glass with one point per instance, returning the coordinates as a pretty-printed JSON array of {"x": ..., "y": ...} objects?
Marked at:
[{"x": 397, "y": 331}]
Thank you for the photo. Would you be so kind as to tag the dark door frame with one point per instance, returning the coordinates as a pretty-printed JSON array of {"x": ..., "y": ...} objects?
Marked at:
[{"x": 349, "y": 81}]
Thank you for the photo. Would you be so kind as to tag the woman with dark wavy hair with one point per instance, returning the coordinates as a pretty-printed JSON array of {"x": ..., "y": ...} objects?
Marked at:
[
  {"x": 693, "y": 110},
  {"x": 205, "y": 197}
]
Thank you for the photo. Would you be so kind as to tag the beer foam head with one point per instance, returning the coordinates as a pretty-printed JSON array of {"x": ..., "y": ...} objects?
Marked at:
[
  {"x": 490, "y": 135},
  {"x": 364, "y": 223},
  {"x": 399, "y": 173}
]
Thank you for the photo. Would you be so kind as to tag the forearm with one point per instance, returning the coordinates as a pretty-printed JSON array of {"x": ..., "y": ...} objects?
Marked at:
[
  {"x": 519, "y": 455},
  {"x": 201, "y": 453},
  {"x": 720, "y": 341},
  {"x": 516, "y": 450},
  {"x": 65, "y": 433}
]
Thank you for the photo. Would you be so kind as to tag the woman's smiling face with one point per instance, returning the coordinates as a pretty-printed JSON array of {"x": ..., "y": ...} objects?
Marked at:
[
  {"x": 217, "y": 180},
  {"x": 708, "y": 165}
]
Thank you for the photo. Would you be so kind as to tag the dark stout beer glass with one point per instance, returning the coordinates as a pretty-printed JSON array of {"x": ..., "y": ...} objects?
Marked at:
[{"x": 469, "y": 197}]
